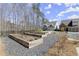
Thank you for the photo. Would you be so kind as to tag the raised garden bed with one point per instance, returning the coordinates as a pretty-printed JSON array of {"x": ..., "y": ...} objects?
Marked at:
[
  {"x": 38, "y": 34},
  {"x": 27, "y": 40},
  {"x": 33, "y": 34}
]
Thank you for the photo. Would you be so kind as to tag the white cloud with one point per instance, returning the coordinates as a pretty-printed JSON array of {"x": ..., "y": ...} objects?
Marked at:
[
  {"x": 41, "y": 10},
  {"x": 48, "y": 12},
  {"x": 73, "y": 16},
  {"x": 49, "y": 6},
  {"x": 50, "y": 20},
  {"x": 55, "y": 19},
  {"x": 70, "y": 4},
  {"x": 61, "y": 13},
  {"x": 67, "y": 4},
  {"x": 71, "y": 9}
]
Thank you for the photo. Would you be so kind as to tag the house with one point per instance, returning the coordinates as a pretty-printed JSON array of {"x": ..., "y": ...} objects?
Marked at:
[
  {"x": 64, "y": 25},
  {"x": 66, "y": 22},
  {"x": 49, "y": 26},
  {"x": 70, "y": 25},
  {"x": 75, "y": 25},
  {"x": 75, "y": 22}
]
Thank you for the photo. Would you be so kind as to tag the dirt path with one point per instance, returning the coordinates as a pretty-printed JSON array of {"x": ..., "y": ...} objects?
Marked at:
[
  {"x": 2, "y": 49},
  {"x": 63, "y": 47}
]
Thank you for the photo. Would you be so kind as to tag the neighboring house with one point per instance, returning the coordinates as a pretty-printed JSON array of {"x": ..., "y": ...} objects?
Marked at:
[
  {"x": 75, "y": 25},
  {"x": 70, "y": 25},
  {"x": 49, "y": 26},
  {"x": 75, "y": 22},
  {"x": 65, "y": 24},
  {"x": 63, "y": 27}
]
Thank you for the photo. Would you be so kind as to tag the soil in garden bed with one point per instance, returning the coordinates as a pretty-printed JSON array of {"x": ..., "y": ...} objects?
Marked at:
[
  {"x": 25, "y": 40},
  {"x": 35, "y": 33},
  {"x": 25, "y": 37}
]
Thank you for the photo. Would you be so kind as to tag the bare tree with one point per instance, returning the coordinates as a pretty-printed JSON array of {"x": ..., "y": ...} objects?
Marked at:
[{"x": 21, "y": 16}]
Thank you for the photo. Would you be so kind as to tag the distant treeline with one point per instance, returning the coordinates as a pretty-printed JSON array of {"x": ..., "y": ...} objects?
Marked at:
[{"x": 20, "y": 17}]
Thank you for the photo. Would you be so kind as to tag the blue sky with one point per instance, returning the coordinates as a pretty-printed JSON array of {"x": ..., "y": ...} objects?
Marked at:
[{"x": 60, "y": 11}]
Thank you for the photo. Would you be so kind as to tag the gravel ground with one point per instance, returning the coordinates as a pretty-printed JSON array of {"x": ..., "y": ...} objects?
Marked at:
[{"x": 13, "y": 48}]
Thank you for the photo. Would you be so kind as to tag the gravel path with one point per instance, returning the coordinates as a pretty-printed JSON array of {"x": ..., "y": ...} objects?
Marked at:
[{"x": 13, "y": 48}]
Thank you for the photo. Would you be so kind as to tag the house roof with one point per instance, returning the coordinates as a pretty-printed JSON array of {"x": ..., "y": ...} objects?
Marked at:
[
  {"x": 66, "y": 22},
  {"x": 75, "y": 19}
]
